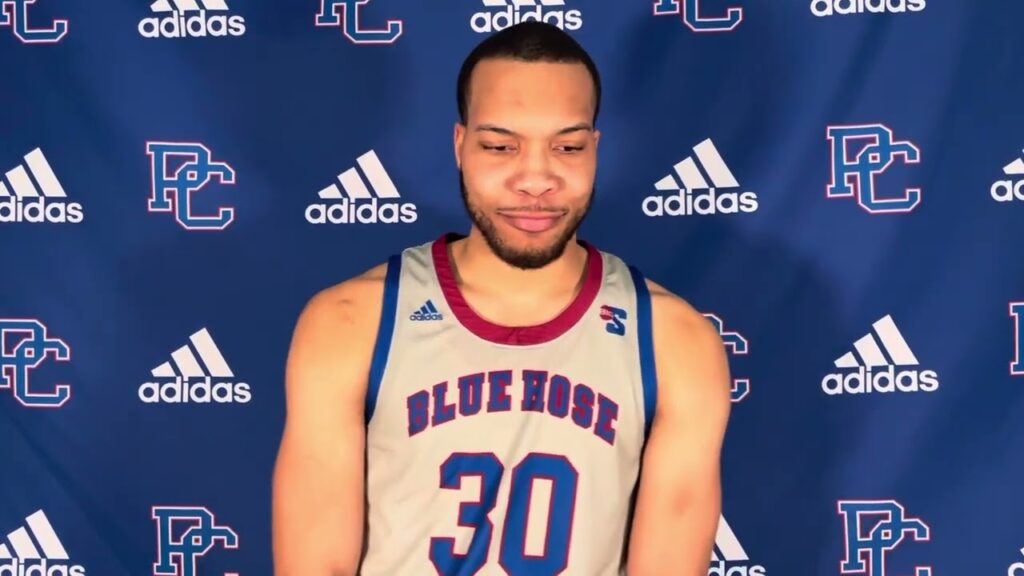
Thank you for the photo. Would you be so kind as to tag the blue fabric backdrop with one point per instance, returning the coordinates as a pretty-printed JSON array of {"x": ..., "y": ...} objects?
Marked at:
[{"x": 161, "y": 165}]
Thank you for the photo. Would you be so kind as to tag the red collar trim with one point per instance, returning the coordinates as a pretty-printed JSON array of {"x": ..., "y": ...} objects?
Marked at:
[{"x": 515, "y": 335}]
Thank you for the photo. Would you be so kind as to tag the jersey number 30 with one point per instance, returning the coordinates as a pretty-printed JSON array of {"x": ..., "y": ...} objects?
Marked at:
[{"x": 512, "y": 555}]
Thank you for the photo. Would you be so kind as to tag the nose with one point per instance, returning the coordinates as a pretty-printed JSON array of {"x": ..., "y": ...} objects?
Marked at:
[{"x": 534, "y": 177}]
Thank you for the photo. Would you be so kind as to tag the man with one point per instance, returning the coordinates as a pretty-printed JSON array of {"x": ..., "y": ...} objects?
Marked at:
[{"x": 483, "y": 404}]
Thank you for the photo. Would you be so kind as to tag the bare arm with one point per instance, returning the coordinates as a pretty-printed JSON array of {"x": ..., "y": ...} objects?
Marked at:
[
  {"x": 318, "y": 493},
  {"x": 679, "y": 499}
]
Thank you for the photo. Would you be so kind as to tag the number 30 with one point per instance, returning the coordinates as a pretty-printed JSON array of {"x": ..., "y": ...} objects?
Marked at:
[{"x": 512, "y": 555}]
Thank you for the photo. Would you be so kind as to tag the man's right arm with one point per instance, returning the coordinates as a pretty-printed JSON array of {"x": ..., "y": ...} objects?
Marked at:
[{"x": 318, "y": 492}]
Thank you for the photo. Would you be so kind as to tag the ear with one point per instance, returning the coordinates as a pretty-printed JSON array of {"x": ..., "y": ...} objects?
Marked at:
[
  {"x": 597, "y": 137},
  {"x": 457, "y": 138}
]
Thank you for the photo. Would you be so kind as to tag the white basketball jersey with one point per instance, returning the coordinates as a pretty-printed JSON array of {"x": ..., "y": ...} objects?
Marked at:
[{"x": 495, "y": 450}]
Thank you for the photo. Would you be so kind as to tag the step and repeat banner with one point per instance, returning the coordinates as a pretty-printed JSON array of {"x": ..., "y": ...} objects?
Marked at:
[{"x": 837, "y": 184}]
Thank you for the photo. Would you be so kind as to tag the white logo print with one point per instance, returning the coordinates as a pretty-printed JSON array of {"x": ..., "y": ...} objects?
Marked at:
[
  {"x": 1007, "y": 190},
  {"x": 189, "y": 19},
  {"x": 822, "y": 8},
  {"x": 1017, "y": 568},
  {"x": 192, "y": 383},
  {"x": 357, "y": 204},
  {"x": 693, "y": 193},
  {"x": 728, "y": 557},
  {"x": 865, "y": 381},
  {"x": 516, "y": 11},
  {"x": 22, "y": 202},
  {"x": 23, "y": 557}
]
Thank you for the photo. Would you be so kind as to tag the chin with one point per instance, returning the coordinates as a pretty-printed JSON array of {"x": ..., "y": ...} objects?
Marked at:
[{"x": 530, "y": 250}]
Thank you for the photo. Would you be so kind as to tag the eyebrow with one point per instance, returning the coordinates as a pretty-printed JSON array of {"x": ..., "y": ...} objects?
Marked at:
[{"x": 582, "y": 126}]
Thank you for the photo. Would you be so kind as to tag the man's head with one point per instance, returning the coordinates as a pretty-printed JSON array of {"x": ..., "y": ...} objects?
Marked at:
[{"x": 526, "y": 145}]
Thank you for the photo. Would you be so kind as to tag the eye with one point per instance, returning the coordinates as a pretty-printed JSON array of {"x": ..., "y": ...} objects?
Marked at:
[
  {"x": 569, "y": 149},
  {"x": 498, "y": 148}
]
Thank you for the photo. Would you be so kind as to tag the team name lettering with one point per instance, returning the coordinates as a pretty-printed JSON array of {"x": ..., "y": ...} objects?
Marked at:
[{"x": 539, "y": 391}]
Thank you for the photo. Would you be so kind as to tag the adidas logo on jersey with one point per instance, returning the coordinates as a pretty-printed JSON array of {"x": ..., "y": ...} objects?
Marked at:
[
  {"x": 20, "y": 556},
  {"x": 1008, "y": 190},
  {"x": 693, "y": 193},
  {"x": 20, "y": 199},
  {"x": 515, "y": 11},
  {"x": 211, "y": 382},
  {"x": 190, "y": 19},
  {"x": 824, "y": 8},
  {"x": 426, "y": 312},
  {"x": 358, "y": 205},
  {"x": 866, "y": 379},
  {"x": 728, "y": 558}
]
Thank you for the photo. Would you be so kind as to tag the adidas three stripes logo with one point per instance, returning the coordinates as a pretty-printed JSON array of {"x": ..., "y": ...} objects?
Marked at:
[
  {"x": 426, "y": 312},
  {"x": 690, "y": 175},
  {"x": 34, "y": 541},
  {"x": 21, "y": 184},
  {"x": 187, "y": 5},
  {"x": 32, "y": 193},
  {"x": 187, "y": 363},
  {"x": 871, "y": 354}
]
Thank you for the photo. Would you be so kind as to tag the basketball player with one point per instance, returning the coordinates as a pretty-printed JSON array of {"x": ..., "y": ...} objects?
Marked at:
[{"x": 483, "y": 404}]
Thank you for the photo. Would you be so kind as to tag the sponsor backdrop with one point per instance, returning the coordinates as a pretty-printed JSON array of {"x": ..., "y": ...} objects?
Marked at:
[{"x": 837, "y": 184}]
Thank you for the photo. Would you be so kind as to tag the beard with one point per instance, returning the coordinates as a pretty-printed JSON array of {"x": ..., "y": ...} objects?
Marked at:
[{"x": 524, "y": 259}]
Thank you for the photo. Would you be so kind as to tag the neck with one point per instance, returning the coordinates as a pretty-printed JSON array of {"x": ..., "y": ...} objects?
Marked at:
[{"x": 473, "y": 258}]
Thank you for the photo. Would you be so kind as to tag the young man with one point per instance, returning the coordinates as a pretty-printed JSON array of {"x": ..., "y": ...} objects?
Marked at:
[{"x": 483, "y": 404}]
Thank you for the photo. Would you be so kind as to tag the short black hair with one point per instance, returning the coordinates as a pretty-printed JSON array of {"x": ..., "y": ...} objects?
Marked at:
[{"x": 529, "y": 41}]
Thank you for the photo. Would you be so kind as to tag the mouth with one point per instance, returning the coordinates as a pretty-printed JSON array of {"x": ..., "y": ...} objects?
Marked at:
[{"x": 532, "y": 221}]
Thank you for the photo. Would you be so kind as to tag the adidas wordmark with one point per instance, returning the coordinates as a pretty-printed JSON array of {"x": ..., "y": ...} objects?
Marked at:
[
  {"x": 35, "y": 550},
  {"x": 358, "y": 204},
  {"x": 864, "y": 377},
  {"x": 192, "y": 382},
  {"x": 191, "y": 19},
  {"x": 694, "y": 194},
  {"x": 21, "y": 200}
]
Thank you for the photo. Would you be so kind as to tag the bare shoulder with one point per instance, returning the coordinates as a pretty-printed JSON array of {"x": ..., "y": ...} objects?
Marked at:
[
  {"x": 690, "y": 357},
  {"x": 676, "y": 321},
  {"x": 354, "y": 302},
  {"x": 332, "y": 344}
]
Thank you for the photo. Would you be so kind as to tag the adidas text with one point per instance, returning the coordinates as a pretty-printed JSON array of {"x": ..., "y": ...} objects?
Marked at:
[
  {"x": 843, "y": 7},
  {"x": 1008, "y": 190},
  {"x": 705, "y": 202},
  {"x": 200, "y": 25},
  {"x": 864, "y": 381},
  {"x": 420, "y": 317},
  {"x": 201, "y": 391},
  {"x": 370, "y": 211},
  {"x": 39, "y": 568},
  {"x": 496, "y": 21},
  {"x": 719, "y": 569},
  {"x": 39, "y": 210}
]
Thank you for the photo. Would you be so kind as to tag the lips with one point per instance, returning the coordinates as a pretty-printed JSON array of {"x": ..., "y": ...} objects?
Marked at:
[{"x": 532, "y": 221}]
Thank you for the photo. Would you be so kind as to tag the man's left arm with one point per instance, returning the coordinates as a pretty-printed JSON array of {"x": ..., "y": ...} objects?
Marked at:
[{"x": 679, "y": 499}]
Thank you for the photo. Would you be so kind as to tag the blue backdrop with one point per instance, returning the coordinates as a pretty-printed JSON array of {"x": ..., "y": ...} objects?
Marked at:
[{"x": 836, "y": 182}]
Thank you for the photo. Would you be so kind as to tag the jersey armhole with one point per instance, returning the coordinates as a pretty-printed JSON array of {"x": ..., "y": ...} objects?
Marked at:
[
  {"x": 384, "y": 333},
  {"x": 648, "y": 374}
]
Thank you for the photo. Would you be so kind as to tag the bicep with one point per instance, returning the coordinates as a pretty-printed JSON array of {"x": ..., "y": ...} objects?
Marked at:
[
  {"x": 319, "y": 474},
  {"x": 679, "y": 498}
]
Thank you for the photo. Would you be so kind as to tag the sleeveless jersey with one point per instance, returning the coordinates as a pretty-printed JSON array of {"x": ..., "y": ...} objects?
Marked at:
[{"x": 495, "y": 450}]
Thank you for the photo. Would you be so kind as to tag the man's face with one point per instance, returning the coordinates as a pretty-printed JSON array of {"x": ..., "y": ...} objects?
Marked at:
[{"x": 527, "y": 156}]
